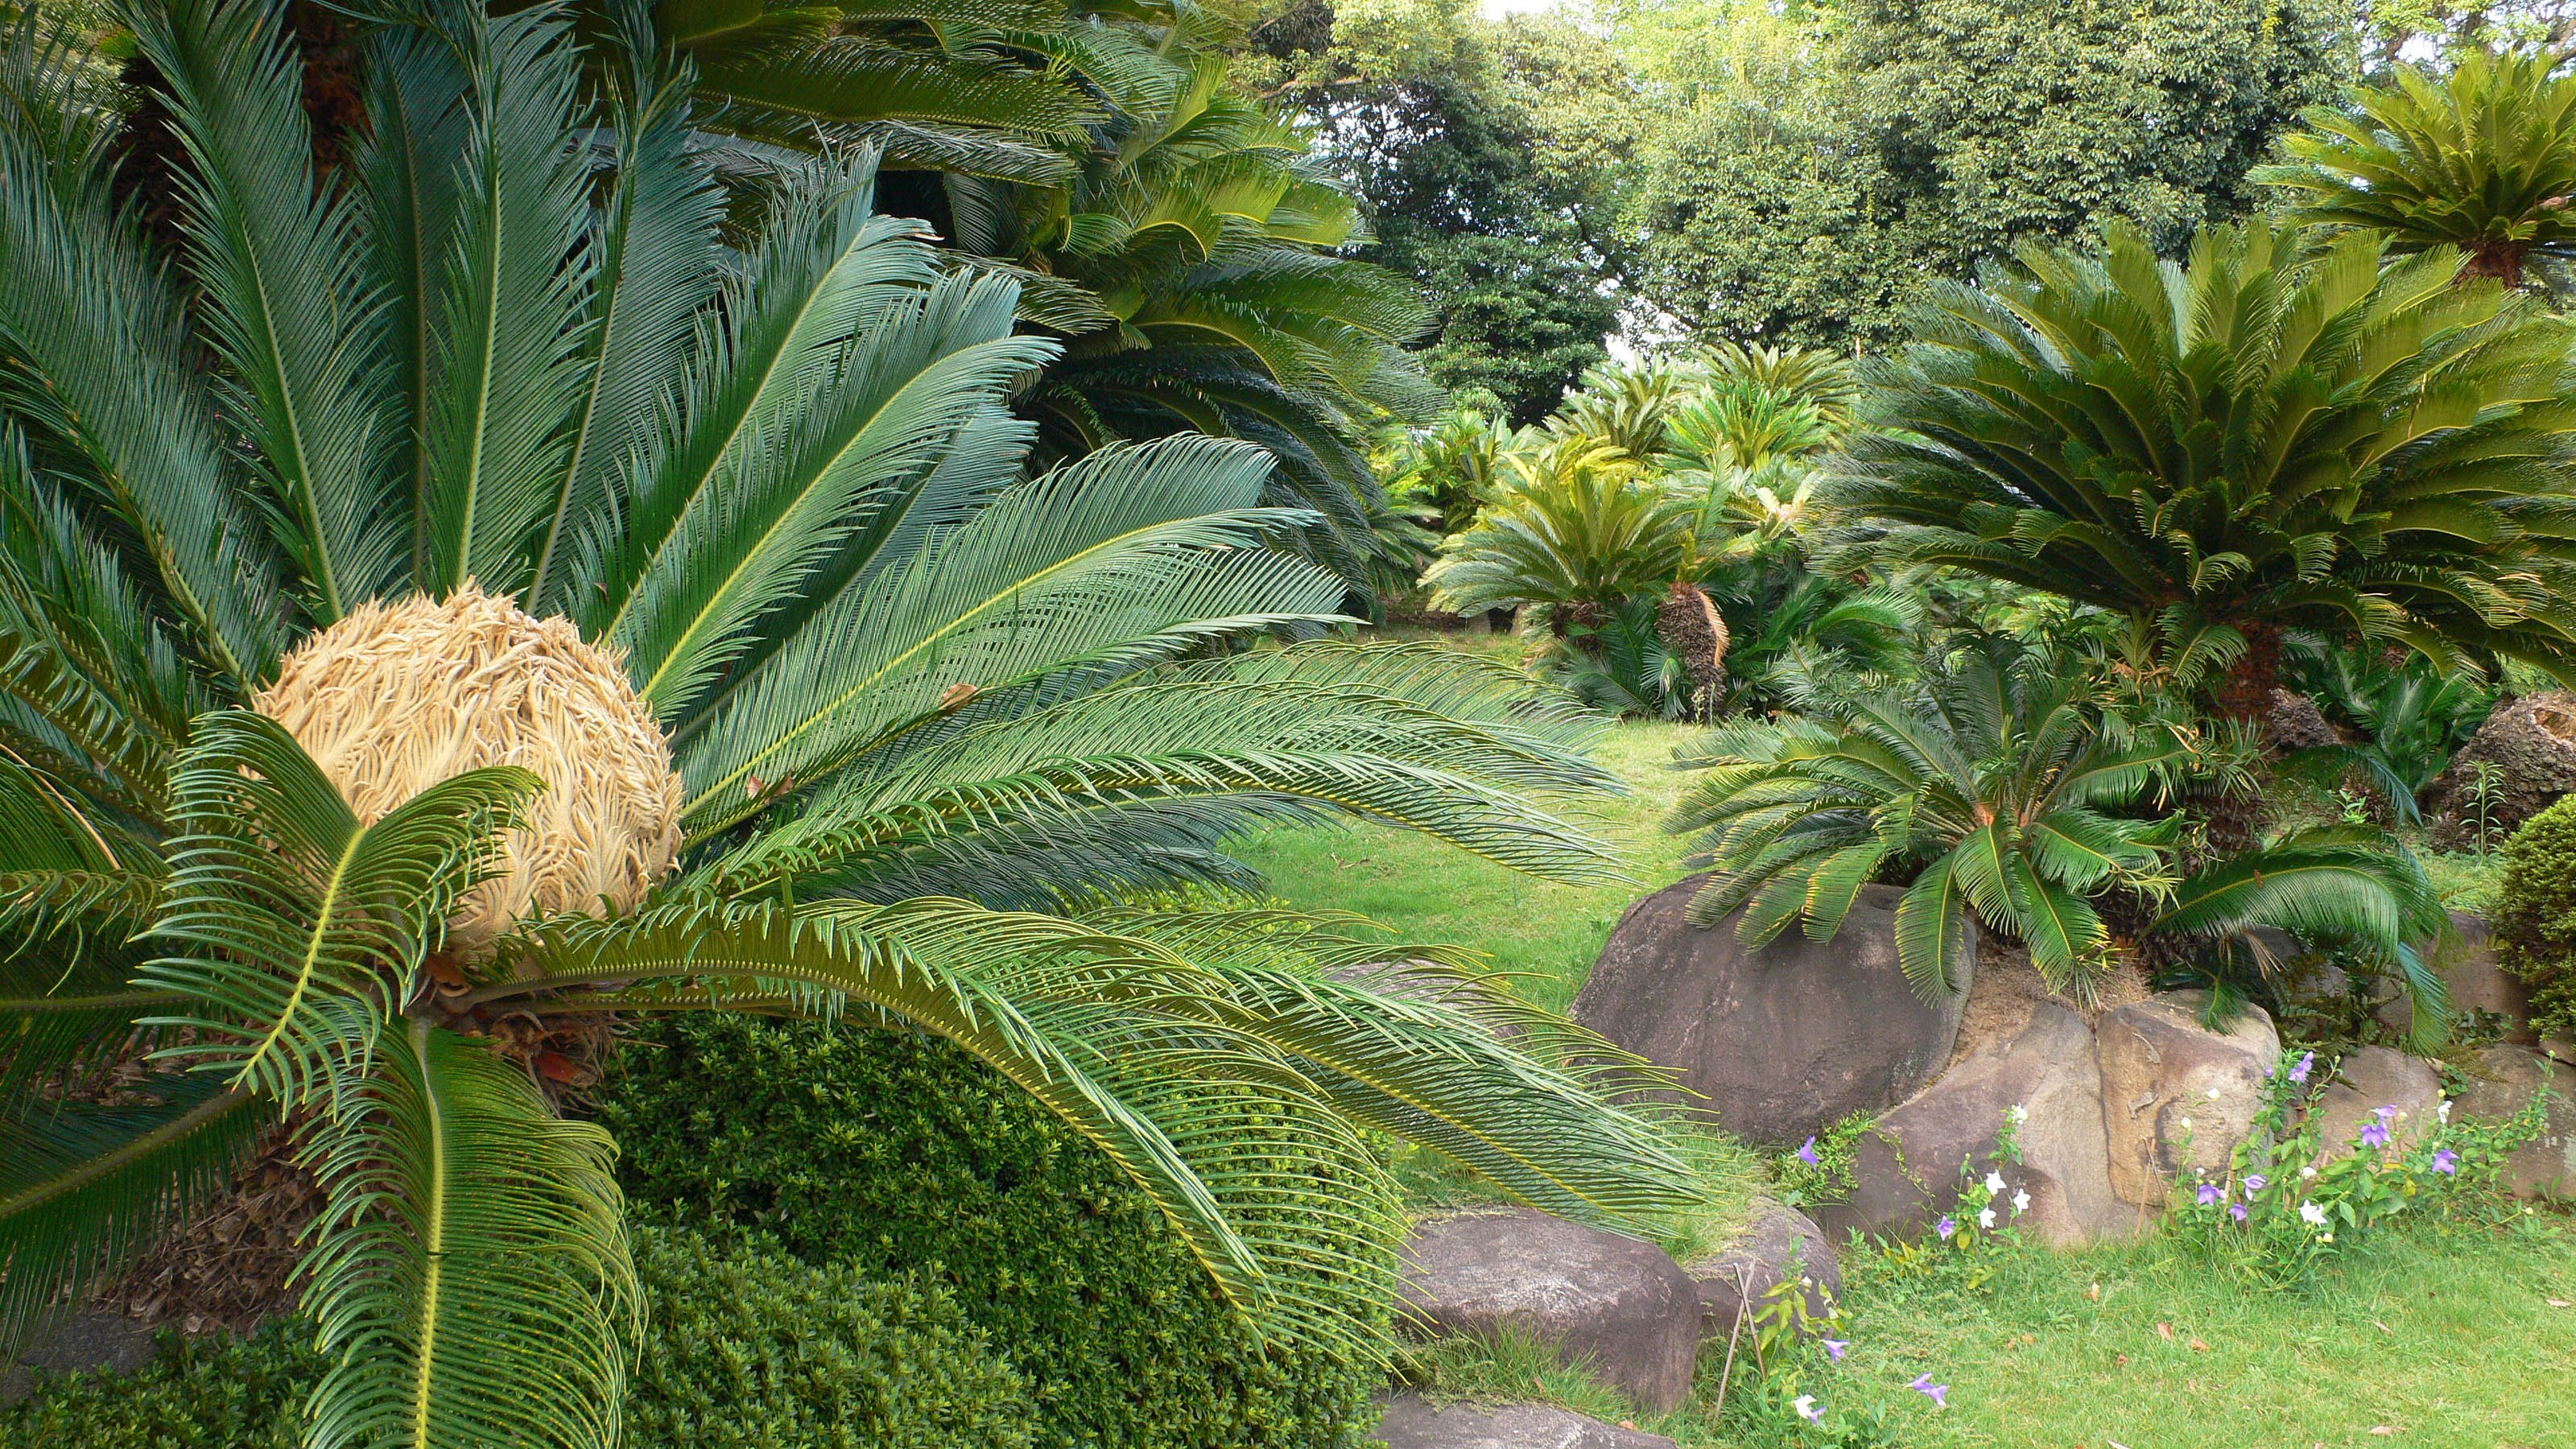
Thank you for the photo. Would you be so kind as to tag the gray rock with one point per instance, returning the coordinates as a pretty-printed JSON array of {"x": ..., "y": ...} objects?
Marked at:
[
  {"x": 1908, "y": 1168},
  {"x": 2466, "y": 960},
  {"x": 2372, "y": 1078},
  {"x": 2502, "y": 1081},
  {"x": 1779, "y": 1043},
  {"x": 2176, "y": 1096},
  {"x": 2530, "y": 743},
  {"x": 1782, "y": 1243},
  {"x": 1411, "y": 1423},
  {"x": 1618, "y": 1307},
  {"x": 83, "y": 1342}
]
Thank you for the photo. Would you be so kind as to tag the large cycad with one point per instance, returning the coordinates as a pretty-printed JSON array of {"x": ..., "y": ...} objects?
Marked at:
[
  {"x": 2482, "y": 159},
  {"x": 468, "y": 600},
  {"x": 2270, "y": 436}
]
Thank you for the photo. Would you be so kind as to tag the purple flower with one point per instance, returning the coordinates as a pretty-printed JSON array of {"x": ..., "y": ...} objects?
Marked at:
[
  {"x": 2374, "y": 1134},
  {"x": 2299, "y": 1073},
  {"x": 2209, "y": 1193},
  {"x": 2254, "y": 1181},
  {"x": 2236, "y": 1210},
  {"x": 2446, "y": 1160},
  {"x": 1937, "y": 1393},
  {"x": 1835, "y": 1348},
  {"x": 1807, "y": 1154},
  {"x": 1946, "y": 1226}
]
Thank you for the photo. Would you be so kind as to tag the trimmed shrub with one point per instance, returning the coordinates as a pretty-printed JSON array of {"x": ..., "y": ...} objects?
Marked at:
[
  {"x": 749, "y": 1347},
  {"x": 891, "y": 1151},
  {"x": 212, "y": 1392},
  {"x": 2535, "y": 914},
  {"x": 745, "y": 1345}
]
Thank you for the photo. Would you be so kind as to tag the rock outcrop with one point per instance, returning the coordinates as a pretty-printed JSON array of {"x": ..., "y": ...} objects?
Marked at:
[
  {"x": 1412, "y": 1423},
  {"x": 1779, "y": 1043},
  {"x": 1782, "y": 1243},
  {"x": 2176, "y": 1096},
  {"x": 2530, "y": 746},
  {"x": 1620, "y": 1308},
  {"x": 1909, "y": 1168}
]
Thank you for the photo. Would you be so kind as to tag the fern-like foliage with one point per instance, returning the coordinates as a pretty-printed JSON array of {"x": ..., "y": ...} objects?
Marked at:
[
  {"x": 1991, "y": 787},
  {"x": 2270, "y": 436},
  {"x": 943, "y": 726}
]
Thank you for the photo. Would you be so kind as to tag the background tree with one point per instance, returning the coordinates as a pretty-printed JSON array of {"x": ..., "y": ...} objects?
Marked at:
[
  {"x": 1810, "y": 165},
  {"x": 1432, "y": 117}
]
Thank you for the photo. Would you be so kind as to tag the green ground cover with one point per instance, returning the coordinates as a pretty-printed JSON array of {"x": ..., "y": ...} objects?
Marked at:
[{"x": 2443, "y": 1335}]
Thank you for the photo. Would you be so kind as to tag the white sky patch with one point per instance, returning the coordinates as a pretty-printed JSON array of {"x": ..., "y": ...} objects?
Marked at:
[{"x": 1497, "y": 9}]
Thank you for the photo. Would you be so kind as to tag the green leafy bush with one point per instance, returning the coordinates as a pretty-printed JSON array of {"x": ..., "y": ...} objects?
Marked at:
[
  {"x": 2535, "y": 914},
  {"x": 201, "y": 1393},
  {"x": 888, "y": 1151},
  {"x": 745, "y": 1346}
]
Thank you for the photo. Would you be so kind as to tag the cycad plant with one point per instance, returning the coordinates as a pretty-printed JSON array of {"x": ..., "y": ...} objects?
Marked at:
[
  {"x": 1579, "y": 530},
  {"x": 458, "y": 604},
  {"x": 2268, "y": 437},
  {"x": 1986, "y": 785},
  {"x": 2481, "y": 158},
  {"x": 2001, "y": 789}
]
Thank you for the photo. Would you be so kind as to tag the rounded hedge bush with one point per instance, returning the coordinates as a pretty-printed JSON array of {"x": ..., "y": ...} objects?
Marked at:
[
  {"x": 2535, "y": 914},
  {"x": 891, "y": 1151},
  {"x": 745, "y": 1345}
]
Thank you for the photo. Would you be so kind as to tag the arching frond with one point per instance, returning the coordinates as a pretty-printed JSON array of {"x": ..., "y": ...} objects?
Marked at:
[
  {"x": 295, "y": 928},
  {"x": 470, "y": 1276}
]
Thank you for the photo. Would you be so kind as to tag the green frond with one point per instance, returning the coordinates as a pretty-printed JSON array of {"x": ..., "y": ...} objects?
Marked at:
[
  {"x": 509, "y": 291},
  {"x": 83, "y": 1188},
  {"x": 99, "y": 365},
  {"x": 279, "y": 260},
  {"x": 1105, "y": 565},
  {"x": 469, "y": 1274},
  {"x": 295, "y": 929}
]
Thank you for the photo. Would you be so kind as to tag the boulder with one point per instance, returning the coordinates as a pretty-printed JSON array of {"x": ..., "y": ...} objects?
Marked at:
[
  {"x": 1620, "y": 1308},
  {"x": 1907, "y": 1169},
  {"x": 2502, "y": 1081},
  {"x": 2372, "y": 1078},
  {"x": 2466, "y": 960},
  {"x": 1779, "y": 1043},
  {"x": 1412, "y": 1423},
  {"x": 2176, "y": 1096},
  {"x": 1782, "y": 1243},
  {"x": 2530, "y": 743}
]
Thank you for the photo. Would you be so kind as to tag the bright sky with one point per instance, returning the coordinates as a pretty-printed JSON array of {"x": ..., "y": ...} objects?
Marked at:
[{"x": 1497, "y": 9}]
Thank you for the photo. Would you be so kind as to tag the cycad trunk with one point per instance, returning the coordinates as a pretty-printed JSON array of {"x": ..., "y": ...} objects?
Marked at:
[
  {"x": 2246, "y": 693},
  {"x": 1691, "y": 627}
]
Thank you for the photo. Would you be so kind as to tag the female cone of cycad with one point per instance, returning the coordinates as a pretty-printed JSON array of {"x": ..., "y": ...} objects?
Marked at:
[{"x": 397, "y": 697}]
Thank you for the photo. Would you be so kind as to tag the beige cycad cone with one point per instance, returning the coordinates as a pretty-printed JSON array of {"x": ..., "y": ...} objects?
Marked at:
[{"x": 396, "y": 697}]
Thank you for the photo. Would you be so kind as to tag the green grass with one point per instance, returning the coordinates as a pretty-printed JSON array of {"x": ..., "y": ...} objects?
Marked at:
[
  {"x": 2445, "y": 1336},
  {"x": 1546, "y": 934}
]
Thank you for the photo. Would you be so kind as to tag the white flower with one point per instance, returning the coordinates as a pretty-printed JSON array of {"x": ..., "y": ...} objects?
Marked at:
[
  {"x": 2213, "y": 1094},
  {"x": 2021, "y": 1202},
  {"x": 2306, "y": 1173},
  {"x": 2016, "y": 1114},
  {"x": 1985, "y": 1217},
  {"x": 2315, "y": 1215},
  {"x": 2325, "y": 1237},
  {"x": 2186, "y": 1124},
  {"x": 2442, "y": 1109},
  {"x": 1994, "y": 1182}
]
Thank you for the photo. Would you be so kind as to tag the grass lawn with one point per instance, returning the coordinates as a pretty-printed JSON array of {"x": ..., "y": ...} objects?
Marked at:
[{"x": 2443, "y": 1337}]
